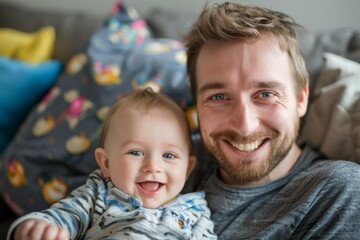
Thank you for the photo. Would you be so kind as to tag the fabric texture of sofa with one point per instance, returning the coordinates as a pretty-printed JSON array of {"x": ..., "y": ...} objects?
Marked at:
[{"x": 104, "y": 57}]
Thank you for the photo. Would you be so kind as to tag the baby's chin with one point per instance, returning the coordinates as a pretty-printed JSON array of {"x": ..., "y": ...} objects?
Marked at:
[{"x": 151, "y": 204}]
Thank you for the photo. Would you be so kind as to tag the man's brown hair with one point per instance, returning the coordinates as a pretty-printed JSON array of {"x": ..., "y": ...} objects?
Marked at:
[{"x": 240, "y": 22}]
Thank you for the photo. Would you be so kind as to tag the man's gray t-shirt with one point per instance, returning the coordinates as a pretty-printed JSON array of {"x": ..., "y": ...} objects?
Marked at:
[{"x": 319, "y": 199}]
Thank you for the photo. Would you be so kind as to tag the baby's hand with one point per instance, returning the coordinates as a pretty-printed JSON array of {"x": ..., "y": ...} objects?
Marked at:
[{"x": 39, "y": 230}]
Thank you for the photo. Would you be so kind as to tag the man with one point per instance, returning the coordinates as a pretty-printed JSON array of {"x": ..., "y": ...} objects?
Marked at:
[{"x": 250, "y": 84}]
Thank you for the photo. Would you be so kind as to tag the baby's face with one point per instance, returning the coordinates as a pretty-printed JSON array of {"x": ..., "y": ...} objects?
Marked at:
[{"x": 148, "y": 155}]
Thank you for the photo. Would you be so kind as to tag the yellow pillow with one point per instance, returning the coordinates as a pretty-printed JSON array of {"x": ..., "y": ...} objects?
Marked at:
[{"x": 34, "y": 47}]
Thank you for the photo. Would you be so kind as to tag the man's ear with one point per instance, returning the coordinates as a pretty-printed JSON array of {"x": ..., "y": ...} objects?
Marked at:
[
  {"x": 191, "y": 165},
  {"x": 103, "y": 161},
  {"x": 302, "y": 100}
]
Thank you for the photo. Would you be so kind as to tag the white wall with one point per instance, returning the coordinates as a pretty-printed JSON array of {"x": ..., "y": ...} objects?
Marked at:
[{"x": 315, "y": 15}]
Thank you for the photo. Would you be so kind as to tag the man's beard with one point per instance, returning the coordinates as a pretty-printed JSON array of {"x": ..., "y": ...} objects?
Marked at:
[{"x": 245, "y": 170}]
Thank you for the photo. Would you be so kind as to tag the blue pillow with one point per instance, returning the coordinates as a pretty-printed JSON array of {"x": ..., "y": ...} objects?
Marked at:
[{"x": 21, "y": 86}]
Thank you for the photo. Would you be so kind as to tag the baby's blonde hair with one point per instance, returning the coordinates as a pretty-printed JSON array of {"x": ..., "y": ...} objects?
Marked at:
[{"x": 146, "y": 101}]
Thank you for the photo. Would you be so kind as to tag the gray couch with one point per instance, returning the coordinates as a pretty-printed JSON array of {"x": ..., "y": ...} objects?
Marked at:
[{"x": 74, "y": 30}]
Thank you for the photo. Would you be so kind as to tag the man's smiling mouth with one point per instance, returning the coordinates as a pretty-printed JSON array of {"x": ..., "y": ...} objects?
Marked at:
[{"x": 247, "y": 147}]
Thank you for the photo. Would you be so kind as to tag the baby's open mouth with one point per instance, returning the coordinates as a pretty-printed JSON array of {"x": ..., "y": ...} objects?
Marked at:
[{"x": 151, "y": 186}]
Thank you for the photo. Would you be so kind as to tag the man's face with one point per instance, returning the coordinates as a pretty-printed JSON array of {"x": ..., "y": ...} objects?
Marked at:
[{"x": 248, "y": 109}]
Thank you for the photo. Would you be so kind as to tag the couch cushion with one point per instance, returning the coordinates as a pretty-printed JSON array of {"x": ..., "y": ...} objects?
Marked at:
[
  {"x": 165, "y": 23},
  {"x": 333, "y": 123},
  {"x": 343, "y": 42}
]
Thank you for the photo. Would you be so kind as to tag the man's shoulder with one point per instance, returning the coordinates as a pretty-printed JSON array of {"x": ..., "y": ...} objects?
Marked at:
[
  {"x": 315, "y": 161},
  {"x": 344, "y": 172},
  {"x": 335, "y": 168},
  {"x": 336, "y": 197},
  {"x": 323, "y": 176},
  {"x": 335, "y": 176}
]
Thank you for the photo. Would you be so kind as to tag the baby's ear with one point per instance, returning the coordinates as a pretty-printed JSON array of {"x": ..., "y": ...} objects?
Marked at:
[
  {"x": 192, "y": 163},
  {"x": 103, "y": 161}
]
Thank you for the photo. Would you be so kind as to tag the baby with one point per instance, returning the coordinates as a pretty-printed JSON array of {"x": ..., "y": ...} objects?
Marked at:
[{"x": 145, "y": 157}]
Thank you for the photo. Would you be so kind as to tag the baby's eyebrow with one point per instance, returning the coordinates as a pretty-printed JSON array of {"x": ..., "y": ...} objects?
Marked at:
[{"x": 175, "y": 146}]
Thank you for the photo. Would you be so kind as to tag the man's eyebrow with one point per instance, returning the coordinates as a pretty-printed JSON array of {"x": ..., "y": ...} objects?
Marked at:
[
  {"x": 270, "y": 85},
  {"x": 257, "y": 84},
  {"x": 210, "y": 86}
]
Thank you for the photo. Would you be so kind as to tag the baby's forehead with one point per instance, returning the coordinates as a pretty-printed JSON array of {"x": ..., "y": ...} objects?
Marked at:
[
  {"x": 165, "y": 113},
  {"x": 176, "y": 118},
  {"x": 155, "y": 112},
  {"x": 161, "y": 113}
]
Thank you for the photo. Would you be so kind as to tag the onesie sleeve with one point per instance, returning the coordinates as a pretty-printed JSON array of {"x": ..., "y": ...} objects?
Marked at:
[{"x": 74, "y": 212}]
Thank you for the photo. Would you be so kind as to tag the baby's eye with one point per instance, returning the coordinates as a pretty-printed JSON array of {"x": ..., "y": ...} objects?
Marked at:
[
  {"x": 218, "y": 97},
  {"x": 137, "y": 153},
  {"x": 168, "y": 155}
]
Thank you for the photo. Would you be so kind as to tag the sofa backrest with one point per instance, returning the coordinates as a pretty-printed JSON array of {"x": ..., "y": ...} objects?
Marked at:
[{"x": 72, "y": 29}]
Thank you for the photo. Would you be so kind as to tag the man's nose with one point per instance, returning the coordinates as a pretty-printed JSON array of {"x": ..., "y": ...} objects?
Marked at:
[{"x": 244, "y": 118}]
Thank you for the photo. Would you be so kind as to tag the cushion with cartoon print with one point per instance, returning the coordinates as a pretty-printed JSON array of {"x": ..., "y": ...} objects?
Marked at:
[{"x": 53, "y": 153}]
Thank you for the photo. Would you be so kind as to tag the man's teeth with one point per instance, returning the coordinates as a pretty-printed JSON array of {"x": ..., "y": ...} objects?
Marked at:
[{"x": 247, "y": 147}]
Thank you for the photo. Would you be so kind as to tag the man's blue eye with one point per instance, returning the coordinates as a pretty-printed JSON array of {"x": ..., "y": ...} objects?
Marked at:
[
  {"x": 266, "y": 94},
  {"x": 218, "y": 97},
  {"x": 168, "y": 156}
]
